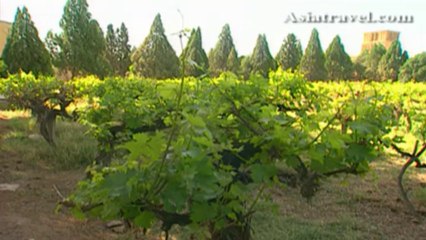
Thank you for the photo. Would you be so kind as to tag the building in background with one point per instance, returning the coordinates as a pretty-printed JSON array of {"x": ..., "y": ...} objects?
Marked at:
[
  {"x": 4, "y": 31},
  {"x": 384, "y": 37}
]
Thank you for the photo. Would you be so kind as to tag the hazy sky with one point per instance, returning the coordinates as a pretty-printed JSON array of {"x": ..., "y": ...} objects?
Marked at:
[{"x": 247, "y": 19}]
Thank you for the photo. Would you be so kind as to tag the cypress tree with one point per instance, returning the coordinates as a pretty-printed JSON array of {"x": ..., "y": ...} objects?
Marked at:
[
  {"x": 312, "y": 64},
  {"x": 80, "y": 48},
  {"x": 337, "y": 61},
  {"x": 290, "y": 53},
  {"x": 219, "y": 56},
  {"x": 24, "y": 51},
  {"x": 124, "y": 50},
  {"x": 155, "y": 58},
  {"x": 358, "y": 71},
  {"x": 245, "y": 67},
  {"x": 370, "y": 60},
  {"x": 118, "y": 49},
  {"x": 196, "y": 59},
  {"x": 111, "y": 48},
  {"x": 404, "y": 57},
  {"x": 391, "y": 62},
  {"x": 414, "y": 69},
  {"x": 233, "y": 62},
  {"x": 261, "y": 60}
]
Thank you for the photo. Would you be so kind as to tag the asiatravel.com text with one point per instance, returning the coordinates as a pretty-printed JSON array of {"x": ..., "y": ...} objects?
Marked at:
[{"x": 369, "y": 18}]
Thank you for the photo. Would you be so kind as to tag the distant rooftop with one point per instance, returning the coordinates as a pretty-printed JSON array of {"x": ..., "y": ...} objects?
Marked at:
[
  {"x": 385, "y": 37},
  {"x": 4, "y": 31}
]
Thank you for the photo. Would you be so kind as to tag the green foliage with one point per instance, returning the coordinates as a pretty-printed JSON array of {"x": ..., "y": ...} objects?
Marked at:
[
  {"x": 219, "y": 58},
  {"x": 233, "y": 62},
  {"x": 24, "y": 51},
  {"x": 196, "y": 61},
  {"x": 118, "y": 49},
  {"x": 169, "y": 162},
  {"x": 358, "y": 71},
  {"x": 80, "y": 48},
  {"x": 3, "y": 69},
  {"x": 370, "y": 60},
  {"x": 414, "y": 69},
  {"x": 155, "y": 58},
  {"x": 46, "y": 97},
  {"x": 170, "y": 158},
  {"x": 391, "y": 62},
  {"x": 290, "y": 53},
  {"x": 337, "y": 61},
  {"x": 245, "y": 68},
  {"x": 261, "y": 60},
  {"x": 312, "y": 64},
  {"x": 23, "y": 91}
]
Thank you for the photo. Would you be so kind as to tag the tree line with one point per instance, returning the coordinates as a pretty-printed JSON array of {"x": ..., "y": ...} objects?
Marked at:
[{"x": 83, "y": 49}]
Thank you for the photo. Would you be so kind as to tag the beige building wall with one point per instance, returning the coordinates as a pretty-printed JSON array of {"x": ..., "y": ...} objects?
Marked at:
[
  {"x": 4, "y": 31},
  {"x": 384, "y": 37}
]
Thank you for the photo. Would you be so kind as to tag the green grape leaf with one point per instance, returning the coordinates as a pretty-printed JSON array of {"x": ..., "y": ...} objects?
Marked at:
[
  {"x": 145, "y": 219},
  {"x": 262, "y": 172},
  {"x": 201, "y": 212}
]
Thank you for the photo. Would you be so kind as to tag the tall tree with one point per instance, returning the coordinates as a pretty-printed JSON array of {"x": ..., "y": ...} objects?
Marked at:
[
  {"x": 118, "y": 49},
  {"x": 233, "y": 62},
  {"x": 337, "y": 61},
  {"x": 404, "y": 57},
  {"x": 245, "y": 67},
  {"x": 124, "y": 50},
  {"x": 261, "y": 60},
  {"x": 312, "y": 64},
  {"x": 155, "y": 58},
  {"x": 290, "y": 53},
  {"x": 391, "y": 62},
  {"x": 24, "y": 51},
  {"x": 370, "y": 60},
  {"x": 358, "y": 71},
  {"x": 80, "y": 48},
  {"x": 219, "y": 56},
  {"x": 111, "y": 47},
  {"x": 196, "y": 61},
  {"x": 414, "y": 69}
]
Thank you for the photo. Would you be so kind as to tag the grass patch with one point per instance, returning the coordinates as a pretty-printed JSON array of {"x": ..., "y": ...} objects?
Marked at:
[
  {"x": 74, "y": 149},
  {"x": 268, "y": 226}
]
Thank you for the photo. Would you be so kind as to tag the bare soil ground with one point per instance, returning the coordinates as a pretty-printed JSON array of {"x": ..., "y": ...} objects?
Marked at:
[
  {"x": 373, "y": 200},
  {"x": 29, "y": 212}
]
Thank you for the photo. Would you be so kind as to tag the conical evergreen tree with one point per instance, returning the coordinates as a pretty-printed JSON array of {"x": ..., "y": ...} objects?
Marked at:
[
  {"x": 337, "y": 61},
  {"x": 218, "y": 57},
  {"x": 155, "y": 58},
  {"x": 118, "y": 49},
  {"x": 405, "y": 57},
  {"x": 196, "y": 61},
  {"x": 261, "y": 60},
  {"x": 111, "y": 48},
  {"x": 24, "y": 51},
  {"x": 370, "y": 60},
  {"x": 124, "y": 50},
  {"x": 80, "y": 48},
  {"x": 312, "y": 64},
  {"x": 358, "y": 72},
  {"x": 290, "y": 53},
  {"x": 245, "y": 67},
  {"x": 414, "y": 69},
  {"x": 233, "y": 62},
  {"x": 391, "y": 62}
]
